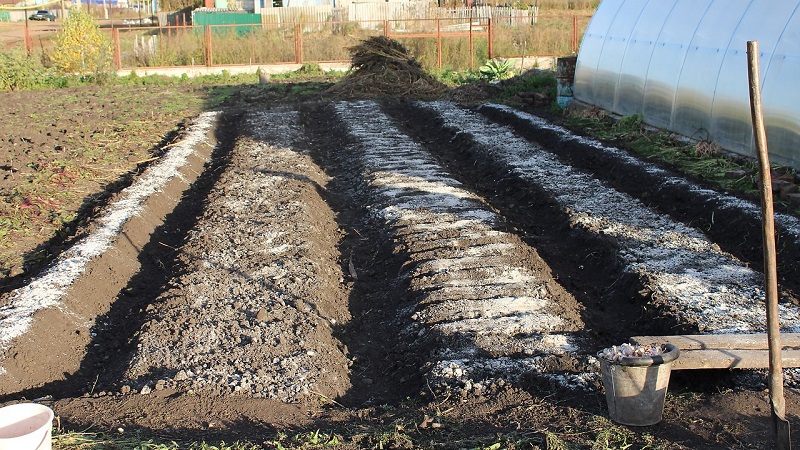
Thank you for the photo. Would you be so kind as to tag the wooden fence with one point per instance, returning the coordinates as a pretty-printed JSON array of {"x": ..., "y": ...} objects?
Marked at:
[{"x": 297, "y": 14}]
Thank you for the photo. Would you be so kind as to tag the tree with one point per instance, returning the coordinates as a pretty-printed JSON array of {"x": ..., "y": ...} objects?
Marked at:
[{"x": 81, "y": 47}]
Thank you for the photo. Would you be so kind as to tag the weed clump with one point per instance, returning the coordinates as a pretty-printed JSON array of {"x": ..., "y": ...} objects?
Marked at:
[
  {"x": 383, "y": 67},
  {"x": 18, "y": 71}
]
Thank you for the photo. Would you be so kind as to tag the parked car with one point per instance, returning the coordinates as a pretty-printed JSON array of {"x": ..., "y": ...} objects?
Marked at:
[{"x": 43, "y": 15}]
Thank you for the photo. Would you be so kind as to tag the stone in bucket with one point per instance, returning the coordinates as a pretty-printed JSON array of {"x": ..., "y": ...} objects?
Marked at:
[
  {"x": 635, "y": 381},
  {"x": 26, "y": 426}
]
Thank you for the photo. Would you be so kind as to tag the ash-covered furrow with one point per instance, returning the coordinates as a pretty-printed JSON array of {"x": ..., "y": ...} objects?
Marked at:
[
  {"x": 733, "y": 223},
  {"x": 481, "y": 303},
  {"x": 689, "y": 277},
  {"x": 254, "y": 310}
]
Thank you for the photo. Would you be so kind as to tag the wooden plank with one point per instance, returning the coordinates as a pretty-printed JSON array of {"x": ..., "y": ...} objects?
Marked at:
[
  {"x": 719, "y": 341},
  {"x": 731, "y": 359}
]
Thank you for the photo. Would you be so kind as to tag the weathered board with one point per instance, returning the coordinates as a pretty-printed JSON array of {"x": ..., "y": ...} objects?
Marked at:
[{"x": 726, "y": 351}]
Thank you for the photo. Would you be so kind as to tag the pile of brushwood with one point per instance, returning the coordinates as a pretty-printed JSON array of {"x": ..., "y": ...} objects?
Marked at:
[{"x": 382, "y": 67}]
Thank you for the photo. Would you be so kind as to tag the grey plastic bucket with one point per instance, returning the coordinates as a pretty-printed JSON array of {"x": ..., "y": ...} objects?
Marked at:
[{"x": 637, "y": 387}]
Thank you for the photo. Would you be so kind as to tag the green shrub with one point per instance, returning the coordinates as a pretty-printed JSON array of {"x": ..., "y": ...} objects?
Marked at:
[
  {"x": 18, "y": 71},
  {"x": 310, "y": 69}
]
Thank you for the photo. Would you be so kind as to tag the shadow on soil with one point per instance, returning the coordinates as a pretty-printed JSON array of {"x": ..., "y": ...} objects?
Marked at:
[
  {"x": 734, "y": 231},
  {"x": 616, "y": 304},
  {"x": 73, "y": 231},
  {"x": 103, "y": 364},
  {"x": 515, "y": 418},
  {"x": 383, "y": 372}
]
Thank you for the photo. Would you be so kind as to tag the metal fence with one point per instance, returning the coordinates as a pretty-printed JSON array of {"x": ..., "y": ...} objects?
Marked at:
[
  {"x": 445, "y": 43},
  {"x": 454, "y": 41}
]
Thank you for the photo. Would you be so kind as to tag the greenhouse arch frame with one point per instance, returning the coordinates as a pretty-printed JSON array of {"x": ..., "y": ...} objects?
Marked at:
[{"x": 682, "y": 65}]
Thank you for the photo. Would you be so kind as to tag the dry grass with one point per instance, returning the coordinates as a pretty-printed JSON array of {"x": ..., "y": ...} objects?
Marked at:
[
  {"x": 550, "y": 35},
  {"x": 707, "y": 148}
]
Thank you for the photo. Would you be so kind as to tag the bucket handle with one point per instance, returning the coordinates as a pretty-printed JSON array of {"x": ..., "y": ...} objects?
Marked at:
[{"x": 669, "y": 353}]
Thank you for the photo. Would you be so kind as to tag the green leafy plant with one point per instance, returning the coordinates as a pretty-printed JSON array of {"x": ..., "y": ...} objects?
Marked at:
[
  {"x": 310, "y": 69},
  {"x": 703, "y": 159},
  {"x": 312, "y": 439},
  {"x": 81, "y": 441},
  {"x": 629, "y": 124},
  {"x": 554, "y": 442},
  {"x": 497, "y": 69}
]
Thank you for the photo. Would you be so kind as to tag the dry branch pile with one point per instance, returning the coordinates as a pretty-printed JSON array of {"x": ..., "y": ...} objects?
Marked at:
[{"x": 383, "y": 67}]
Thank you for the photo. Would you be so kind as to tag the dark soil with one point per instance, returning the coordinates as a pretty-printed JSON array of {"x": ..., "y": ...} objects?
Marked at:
[
  {"x": 343, "y": 300},
  {"x": 736, "y": 233},
  {"x": 64, "y": 155}
]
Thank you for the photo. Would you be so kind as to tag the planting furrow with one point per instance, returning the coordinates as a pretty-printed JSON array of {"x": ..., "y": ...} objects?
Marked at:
[
  {"x": 789, "y": 224},
  {"x": 46, "y": 291},
  {"x": 48, "y": 327},
  {"x": 253, "y": 310},
  {"x": 483, "y": 304},
  {"x": 732, "y": 222},
  {"x": 690, "y": 278}
]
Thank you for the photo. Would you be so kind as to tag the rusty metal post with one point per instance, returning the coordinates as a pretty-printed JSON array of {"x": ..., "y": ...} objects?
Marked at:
[
  {"x": 439, "y": 43},
  {"x": 298, "y": 44},
  {"x": 490, "y": 37},
  {"x": 779, "y": 423},
  {"x": 117, "y": 51},
  {"x": 471, "y": 46},
  {"x": 386, "y": 29},
  {"x": 27, "y": 36},
  {"x": 574, "y": 34},
  {"x": 209, "y": 51}
]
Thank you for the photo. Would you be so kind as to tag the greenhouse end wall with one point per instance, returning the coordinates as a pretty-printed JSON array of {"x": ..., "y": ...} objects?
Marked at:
[{"x": 682, "y": 65}]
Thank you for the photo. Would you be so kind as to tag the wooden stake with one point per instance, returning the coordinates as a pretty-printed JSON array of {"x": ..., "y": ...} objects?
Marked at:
[{"x": 776, "y": 399}]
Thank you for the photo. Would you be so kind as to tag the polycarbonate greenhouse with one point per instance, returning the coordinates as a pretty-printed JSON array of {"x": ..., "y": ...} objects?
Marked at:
[{"x": 682, "y": 65}]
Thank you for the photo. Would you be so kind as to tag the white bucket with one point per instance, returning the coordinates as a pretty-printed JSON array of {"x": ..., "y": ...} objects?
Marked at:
[{"x": 26, "y": 426}]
